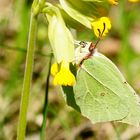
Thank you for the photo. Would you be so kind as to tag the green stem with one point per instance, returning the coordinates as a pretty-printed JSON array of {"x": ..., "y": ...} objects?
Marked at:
[
  {"x": 45, "y": 109},
  {"x": 27, "y": 79}
]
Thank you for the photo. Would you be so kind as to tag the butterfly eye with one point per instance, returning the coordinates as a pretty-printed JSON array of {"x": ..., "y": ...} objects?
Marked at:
[{"x": 83, "y": 44}]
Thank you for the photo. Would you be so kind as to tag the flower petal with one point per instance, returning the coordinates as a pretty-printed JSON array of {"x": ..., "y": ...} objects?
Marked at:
[
  {"x": 54, "y": 69},
  {"x": 64, "y": 77},
  {"x": 101, "y": 26}
]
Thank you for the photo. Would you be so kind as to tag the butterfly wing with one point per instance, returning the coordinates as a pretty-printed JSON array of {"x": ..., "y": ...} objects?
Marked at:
[
  {"x": 103, "y": 94},
  {"x": 96, "y": 101}
]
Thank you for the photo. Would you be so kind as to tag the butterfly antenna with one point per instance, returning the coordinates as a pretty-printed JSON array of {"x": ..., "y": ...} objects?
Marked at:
[{"x": 100, "y": 35}]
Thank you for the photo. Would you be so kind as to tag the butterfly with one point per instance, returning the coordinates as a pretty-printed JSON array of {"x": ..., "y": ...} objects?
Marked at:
[{"x": 101, "y": 91}]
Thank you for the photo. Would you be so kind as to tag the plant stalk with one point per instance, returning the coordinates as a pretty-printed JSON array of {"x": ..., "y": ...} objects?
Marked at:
[
  {"x": 45, "y": 109},
  {"x": 27, "y": 78}
]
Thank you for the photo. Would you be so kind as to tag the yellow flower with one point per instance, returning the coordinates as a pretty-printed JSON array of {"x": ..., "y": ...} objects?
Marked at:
[
  {"x": 133, "y": 0},
  {"x": 101, "y": 26},
  {"x": 54, "y": 69},
  {"x": 114, "y": 2},
  {"x": 64, "y": 76}
]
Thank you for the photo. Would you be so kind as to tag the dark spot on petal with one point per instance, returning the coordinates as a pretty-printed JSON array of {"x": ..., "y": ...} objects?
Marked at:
[{"x": 125, "y": 82}]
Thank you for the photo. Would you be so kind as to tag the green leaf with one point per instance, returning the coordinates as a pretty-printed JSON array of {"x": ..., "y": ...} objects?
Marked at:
[
  {"x": 69, "y": 94},
  {"x": 74, "y": 11},
  {"x": 103, "y": 94},
  {"x": 85, "y": 11}
]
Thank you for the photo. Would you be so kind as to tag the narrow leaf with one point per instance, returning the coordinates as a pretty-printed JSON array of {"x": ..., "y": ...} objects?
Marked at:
[{"x": 75, "y": 13}]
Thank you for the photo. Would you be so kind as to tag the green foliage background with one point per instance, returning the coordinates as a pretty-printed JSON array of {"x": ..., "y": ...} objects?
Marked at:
[{"x": 122, "y": 46}]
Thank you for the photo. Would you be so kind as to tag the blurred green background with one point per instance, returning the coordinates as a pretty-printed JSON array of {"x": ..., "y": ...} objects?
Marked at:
[{"x": 122, "y": 46}]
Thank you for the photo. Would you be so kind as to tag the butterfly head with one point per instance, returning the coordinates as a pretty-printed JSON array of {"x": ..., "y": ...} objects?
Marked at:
[{"x": 82, "y": 50}]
